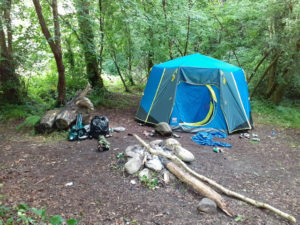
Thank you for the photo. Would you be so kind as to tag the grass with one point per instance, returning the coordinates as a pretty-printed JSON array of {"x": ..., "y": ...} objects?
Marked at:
[{"x": 287, "y": 114}]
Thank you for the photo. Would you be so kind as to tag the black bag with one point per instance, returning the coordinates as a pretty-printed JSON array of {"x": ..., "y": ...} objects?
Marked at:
[{"x": 99, "y": 126}]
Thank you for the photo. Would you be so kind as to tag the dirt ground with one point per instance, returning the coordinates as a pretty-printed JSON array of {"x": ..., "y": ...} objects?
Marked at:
[{"x": 35, "y": 169}]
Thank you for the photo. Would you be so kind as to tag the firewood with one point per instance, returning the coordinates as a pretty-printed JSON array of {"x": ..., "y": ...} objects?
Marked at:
[
  {"x": 46, "y": 123},
  {"x": 78, "y": 104},
  {"x": 226, "y": 191}
]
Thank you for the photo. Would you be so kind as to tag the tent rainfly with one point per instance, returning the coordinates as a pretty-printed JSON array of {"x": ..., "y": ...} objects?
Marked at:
[{"x": 195, "y": 93}]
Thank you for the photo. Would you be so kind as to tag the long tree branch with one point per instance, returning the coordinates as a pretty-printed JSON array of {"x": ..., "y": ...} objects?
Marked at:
[
  {"x": 265, "y": 73},
  {"x": 258, "y": 65}
]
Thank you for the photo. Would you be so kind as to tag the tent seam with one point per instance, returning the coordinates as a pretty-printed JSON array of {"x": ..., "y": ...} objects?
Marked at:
[{"x": 155, "y": 94}]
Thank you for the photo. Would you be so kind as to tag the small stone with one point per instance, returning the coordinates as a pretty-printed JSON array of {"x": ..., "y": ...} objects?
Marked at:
[
  {"x": 163, "y": 129},
  {"x": 119, "y": 129},
  {"x": 69, "y": 184},
  {"x": 145, "y": 172},
  {"x": 133, "y": 182},
  {"x": 154, "y": 164},
  {"x": 133, "y": 165},
  {"x": 207, "y": 205}
]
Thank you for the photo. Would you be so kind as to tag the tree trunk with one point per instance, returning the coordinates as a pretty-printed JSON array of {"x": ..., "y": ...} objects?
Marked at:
[
  {"x": 190, "y": 5},
  {"x": 10, "y": 81},
  {"x": 264, "y": 74},
  {"x": 114, "y": 57},
  {"x": 167, "y": 30},
  {"x": 88, "y": 45},
  {"x": 101, "y": 36},
  {"x": 55, "y": 45},
  {"x": 272, "y": 83}
]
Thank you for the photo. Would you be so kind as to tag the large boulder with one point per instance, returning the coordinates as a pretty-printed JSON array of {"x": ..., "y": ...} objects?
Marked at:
[
  {"x": 133, "y": 165},
  {"x": 163, "y": 129}
]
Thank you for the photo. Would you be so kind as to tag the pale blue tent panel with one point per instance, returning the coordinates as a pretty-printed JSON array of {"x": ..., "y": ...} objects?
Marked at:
[{"x": 199, "y": 61}]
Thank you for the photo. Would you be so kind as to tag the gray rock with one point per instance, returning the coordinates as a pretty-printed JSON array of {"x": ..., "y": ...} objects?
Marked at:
[
  {"x": 154, "y": 164},
  {"x": 134, "y": 151},
  {"x": 156, "y": 143},
  {"x": 207, "y": 205},
  {"x": 145, "y": 172},
  {"x": 181, "y": 152},
  {"x": 163, "y": 129},
  {"x": 133, "y": 165}
]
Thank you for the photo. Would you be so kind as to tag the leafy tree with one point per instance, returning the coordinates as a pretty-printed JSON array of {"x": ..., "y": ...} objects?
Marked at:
[
  {"x": 87, "y": 39},
  {"x": 55, "y": 45}
]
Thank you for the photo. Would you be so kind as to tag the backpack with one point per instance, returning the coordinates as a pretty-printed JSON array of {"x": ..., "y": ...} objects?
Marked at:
[
  {"x": 99, "y": 126},
  {"x": 78, "y": 131}
]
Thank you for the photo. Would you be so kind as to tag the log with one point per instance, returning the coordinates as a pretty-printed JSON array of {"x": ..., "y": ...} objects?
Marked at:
[
  {"x": 78, "y": 104},
  {"x": 65, "y": 118},
  {"x": 198, "y": 186},
  {"x": 215, "y": 184},
  {"x": 46, "y": 123}
]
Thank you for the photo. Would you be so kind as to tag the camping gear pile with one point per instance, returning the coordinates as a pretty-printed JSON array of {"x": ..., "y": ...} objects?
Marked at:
[{"x": 98, "y": 129}]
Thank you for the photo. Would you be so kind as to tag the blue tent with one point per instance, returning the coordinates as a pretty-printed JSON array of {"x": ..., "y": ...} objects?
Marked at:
[{"x": 197, "y": 92}]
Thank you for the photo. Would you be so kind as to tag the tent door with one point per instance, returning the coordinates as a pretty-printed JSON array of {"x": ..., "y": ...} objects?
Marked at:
[{"x": 194, "y": 104}]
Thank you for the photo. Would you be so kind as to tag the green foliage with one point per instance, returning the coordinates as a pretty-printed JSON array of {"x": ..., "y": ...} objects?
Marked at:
[
  {"x": 23, "y": 214},
  {"x": 150, "y": 183},
  {"x": 29, "y": 122},
  {"x": 285, "y": 115}
]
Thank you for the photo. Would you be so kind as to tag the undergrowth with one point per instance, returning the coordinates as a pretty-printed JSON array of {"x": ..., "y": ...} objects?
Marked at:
[
  {"x": 23, "y": 214},
  {"x": 285, "y": 115}
]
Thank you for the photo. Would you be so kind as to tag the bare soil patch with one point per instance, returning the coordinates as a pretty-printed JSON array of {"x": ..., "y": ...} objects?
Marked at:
[{"x": 35, "y": 170}]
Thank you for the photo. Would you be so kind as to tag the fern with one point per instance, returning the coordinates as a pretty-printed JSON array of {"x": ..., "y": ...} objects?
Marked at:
[{"x": 29, "y": 122}]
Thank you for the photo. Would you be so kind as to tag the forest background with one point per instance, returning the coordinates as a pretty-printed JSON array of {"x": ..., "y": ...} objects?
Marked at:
[{"x": 50, "y": 49}]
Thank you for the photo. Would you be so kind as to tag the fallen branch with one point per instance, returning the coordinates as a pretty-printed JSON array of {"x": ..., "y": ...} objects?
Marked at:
[{"x": 215, "y": 184}]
